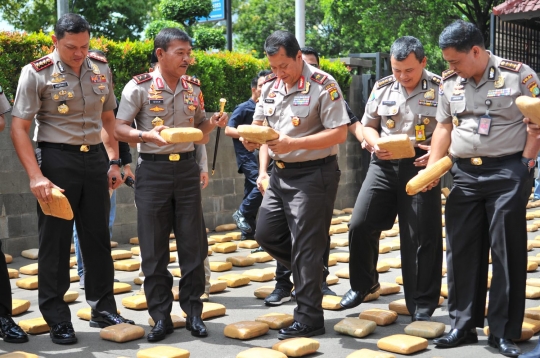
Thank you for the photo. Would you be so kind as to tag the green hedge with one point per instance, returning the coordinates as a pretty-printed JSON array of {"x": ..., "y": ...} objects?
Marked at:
[{"x": 222, "y": 74}]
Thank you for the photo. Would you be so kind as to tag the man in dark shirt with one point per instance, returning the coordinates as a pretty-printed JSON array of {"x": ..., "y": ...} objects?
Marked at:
[{"x": 246, "y": 214}]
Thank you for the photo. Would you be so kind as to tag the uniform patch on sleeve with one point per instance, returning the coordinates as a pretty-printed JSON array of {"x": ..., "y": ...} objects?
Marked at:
[
  {"x": 526, "y": 79},
  {"x": 142, "y": 78},
  {"x": 319, "y": 78},
  {"x": 270, "y": 77},
  {"x": 193, "y": 80},
  {"x": 97, "y": 57},
  {"x": 510, "y": 65},
  {"x": 447, "y": 74},
  {"x": 436, "y": 79},
  {"x": 42, "y": 63},
  {"x": 385, "y": 81},
  {"x": 201, "y": 101},
  {"x": 334, "y": 93}
]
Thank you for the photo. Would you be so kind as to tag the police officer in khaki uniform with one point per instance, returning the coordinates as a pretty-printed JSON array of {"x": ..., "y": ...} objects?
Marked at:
[
  {"x": 306, "y": 107},
  {"x": 9, "y": 330},
  {"x": 405, "y": 102},
  {"x": 494, "y": 160},
  {"x": 70, "y": 96},
  {"x": 168, "y": 191}
]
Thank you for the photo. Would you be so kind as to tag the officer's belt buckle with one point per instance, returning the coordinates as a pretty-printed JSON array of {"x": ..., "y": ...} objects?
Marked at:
[
  {"x": 280, "y": 164},
  {"x": 476, "y": 161},
  {"x": 84, "y": 148},
  {"x": 174, "y": 157}
]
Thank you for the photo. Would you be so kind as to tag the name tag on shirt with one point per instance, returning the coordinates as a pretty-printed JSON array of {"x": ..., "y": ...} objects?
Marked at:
[
  {"x": 301, "y": 101},
  {"x": 499, "y": 92},
  {"x": 388, "y": 103},
  {"x": 268, "y": 100},
  {"x": 60, "y": 85},
  {"x": 456, "y": 98},
  {"x": 156, "y": 101}
]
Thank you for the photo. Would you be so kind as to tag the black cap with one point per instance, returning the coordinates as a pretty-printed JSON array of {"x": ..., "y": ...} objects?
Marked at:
[{"x": 153, "y": 58}]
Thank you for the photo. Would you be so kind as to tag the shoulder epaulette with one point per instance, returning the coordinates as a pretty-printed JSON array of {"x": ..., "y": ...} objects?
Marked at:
[
  {"x": 319, "y": 77},
  {"x": 142, "y": 78},
  {"x": 42, "y": 63},
  {"x": 270, "y": 77},
  {"x": 193, "y": 80},
  {"x": 510, "y": 65},
  {"x": 436, "y": 79},
  {"x": 97, "y": 57},
  {"x": 385, "y": 81},
  {"x": 447, "y": 74}
]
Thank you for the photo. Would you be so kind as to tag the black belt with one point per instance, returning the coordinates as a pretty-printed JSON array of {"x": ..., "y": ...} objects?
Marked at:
[
  {"x": 309, "y": 163},
  {"x": 477, "y": 161},
  {"x": 173, "y": 157},
  {"x": 70, "y": 147}
]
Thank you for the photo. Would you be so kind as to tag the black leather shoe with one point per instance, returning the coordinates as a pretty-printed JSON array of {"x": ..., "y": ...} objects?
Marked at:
[
  {"x": 354, "y": 298},
  {"x": 241, "y": 222},
  {"x": 10, "y": 332},
  {"x": 298, "y": 329},
  {"x": 535, "y": 353},
  {"x": 326, "y": 291},
  {"x": 160, "y": 330},
  {"x": 506, "y": 347},
  {"x": 102, "y": 321},
  {"x": 247, "y": 237},
  {"x": 63, "y": 333},
  {"x": 421, "y": 317},
  {"x": 456, "y": 337},
  {"x": 196, "y": 326}
]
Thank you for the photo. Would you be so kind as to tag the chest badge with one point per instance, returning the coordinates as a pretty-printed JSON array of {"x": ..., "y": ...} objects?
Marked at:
[
  {"x": 499, "y": 82},
  {"x": 455, "y": 120},
  {"x": 272, "y": 94},
  {"x": 306, "y": 91},
  {"x": 430, "y": 94},
  {"x": 192, "y": 107},
  {"x": 63, "y": 108},
  {"x": 95, "y": 69},
  {"x": 390, "y": 123},
  {"x": 426, "y": 121},
  {"x": 295, "y": 121},
  {"x": 157, "y": 109},
  {"x": 157, "y": 122}
]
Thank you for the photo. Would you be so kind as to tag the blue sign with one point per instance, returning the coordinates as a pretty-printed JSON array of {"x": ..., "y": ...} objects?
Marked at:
[{"x": 217, "y": 14}]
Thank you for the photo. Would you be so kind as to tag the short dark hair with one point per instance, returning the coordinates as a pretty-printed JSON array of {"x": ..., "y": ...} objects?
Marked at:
[
  {"x": 404, "y": 46},
  {"x": 168, "y": 35},
  {"x": 262, "y": 73},
  {"x": 283, "y": 39},
  {"x": 310, "y": 51},
  {"x": 71, "y": 23},
  {"x": 461, "y": 36}
]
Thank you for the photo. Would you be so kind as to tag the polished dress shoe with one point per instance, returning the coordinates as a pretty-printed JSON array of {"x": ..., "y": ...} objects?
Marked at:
[
  {"x": 10, "y": 332},
  {"x": 421, "y": 317},
  {"x": 506, "y": 347},
  {"x": 298, "y": 329},
  {"x": 196, "y": 326},
  {"x": 241, "y": 222},
  {"x": 160, "y": 330},
  {"x": 535, "y": 353},
  {"x": 102, "y": 321},
  {"x": 354, "y": 298},
  {"x": 456, "y": 337},
  {"x": 63, "y": 333}
]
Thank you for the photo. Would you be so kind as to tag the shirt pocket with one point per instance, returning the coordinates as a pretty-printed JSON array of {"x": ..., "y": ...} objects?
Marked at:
[
  {"x": 299, "y": 118},
  {"x": 457, "y": 107},
  {"x": 389, "y": 113},
  {"x": 427, "y": 118},
  {"x": 190, "y": 104},
  {"x": 101, "y": 92}
]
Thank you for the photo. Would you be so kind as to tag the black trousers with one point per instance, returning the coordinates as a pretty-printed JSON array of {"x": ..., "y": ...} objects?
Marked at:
[
  {"x": 381, "y": 197},
  {"x": 486, "y": 208},
  {"x": 293, "y": 224},
  {"x": 84, "y": 178},
  {"x": 168, "y": 196},
  {"x": 5, "y": 287}
]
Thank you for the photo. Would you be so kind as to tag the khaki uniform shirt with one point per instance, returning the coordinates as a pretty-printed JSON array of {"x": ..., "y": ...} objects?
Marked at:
[
  {"x": 4, "y": 103},
  {"x": 502, "y": 83},
  {"x": 314, "y": 104},
  {"x": 147, "y": 96},
  {"x": 392, "y": 111},
  {"x": 48, "y": 83}
]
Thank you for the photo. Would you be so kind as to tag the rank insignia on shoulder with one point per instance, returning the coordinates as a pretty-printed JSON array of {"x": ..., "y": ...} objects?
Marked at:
[
  {"x": 142, "y": 78},
  {"x": 270, "y": 77},
  {"x": 385, "y": 81},
  {"x": 42, "y": 63},
  {"x": 95, "y": 56},
  {"x": 319, "y": 78},
  {"x": 193, "y": 80},
  {"x": 436, "y": 79},
  {"x": 447, "y": 74},
  {"x": 510, "y": 65}
]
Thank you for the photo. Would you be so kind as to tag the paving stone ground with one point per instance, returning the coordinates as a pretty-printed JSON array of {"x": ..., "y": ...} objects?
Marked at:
[{"x": 242, "y": 305}]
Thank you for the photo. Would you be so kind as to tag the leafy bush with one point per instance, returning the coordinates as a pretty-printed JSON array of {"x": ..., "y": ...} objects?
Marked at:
[
  {"x": 185, "y": 12},
  {"x": 207, "y": 38},
  {"x": 156, "y": 26},
  {"x": 223, "y": 74}
]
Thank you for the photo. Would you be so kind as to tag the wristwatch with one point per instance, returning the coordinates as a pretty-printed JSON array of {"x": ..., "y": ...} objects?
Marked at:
[
  {"x": 530, "y": 163},
  {"x": 116, "y": 162}
]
